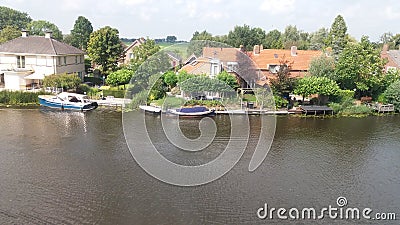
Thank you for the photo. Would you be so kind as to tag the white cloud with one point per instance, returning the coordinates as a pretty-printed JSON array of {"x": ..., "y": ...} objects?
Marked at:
[
  {"x": 392, "y": 14},
  {"x": 191, "y": 9},
  {"x": 132, "y": 2},
  {"x": 278, "y": 6}
]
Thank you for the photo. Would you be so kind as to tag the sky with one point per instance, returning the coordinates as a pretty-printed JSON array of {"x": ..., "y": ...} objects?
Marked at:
[{"x": 158, "y": 19}]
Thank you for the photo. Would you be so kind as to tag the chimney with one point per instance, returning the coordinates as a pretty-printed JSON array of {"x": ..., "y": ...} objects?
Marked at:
[
  {"x": 47, "y": 34},
  {"x": 385, "y": 48},
  {"x": 261, "y": 47},
  {"x": 24, "y": 33},
  {"x": 256, "y": 49},
  {"x": 242, "y": 48},
  {"x": 293, "y": 51}
]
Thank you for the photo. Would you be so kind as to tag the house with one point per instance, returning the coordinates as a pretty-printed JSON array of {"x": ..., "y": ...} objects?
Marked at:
[
  {"x": 392, "y": 56},
  {"x": 214, "y": 60},
  {"x": 174, "y": 59},
  {"x": 26, "y": 60},
  {"x": 127, "y": 54},
  {"x": 269, "y": 61}
]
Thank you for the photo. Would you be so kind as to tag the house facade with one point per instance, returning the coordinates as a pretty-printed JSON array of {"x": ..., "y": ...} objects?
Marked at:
[
  {"x": 25, "y": 61},
  {"x": 269, "y": 61},
  {"x": 214, "y": 60},
  {"x": 127, "y": 54}
]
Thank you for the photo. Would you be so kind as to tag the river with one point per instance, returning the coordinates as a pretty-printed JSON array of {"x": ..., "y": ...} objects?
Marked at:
[{"x": 75, "y": 168}]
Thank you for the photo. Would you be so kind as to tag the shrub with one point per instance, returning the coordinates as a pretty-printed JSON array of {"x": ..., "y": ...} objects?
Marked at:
[
  {"x": 382, "y": 98},
  {"x": 280, "y": 102},
  {"x": 19, "y": 97},
  {"x": 356, "y": 110},
  {"x": 392, "y": 94},
  {"x": 115, "y": 93}
]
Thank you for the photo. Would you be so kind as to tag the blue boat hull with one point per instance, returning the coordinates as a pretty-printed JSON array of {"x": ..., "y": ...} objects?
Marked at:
[{"x": 67, "y": 105}]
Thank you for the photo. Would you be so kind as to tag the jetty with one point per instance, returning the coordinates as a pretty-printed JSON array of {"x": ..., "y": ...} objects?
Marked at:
[
  {"x": 316, "y": 110},
  {"x": 382, "y": 108}
]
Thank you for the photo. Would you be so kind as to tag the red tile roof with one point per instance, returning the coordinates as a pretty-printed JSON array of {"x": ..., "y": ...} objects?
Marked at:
[
  {"x": 223, "y": 54},
  {"x": 301, "y": 61}
]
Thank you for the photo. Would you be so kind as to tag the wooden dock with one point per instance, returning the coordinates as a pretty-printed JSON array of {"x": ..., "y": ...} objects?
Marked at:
[
  {"x": 381, "y": 108},
  {"x": 316, "y": 110},
  {"x": 113, "y": 102}
]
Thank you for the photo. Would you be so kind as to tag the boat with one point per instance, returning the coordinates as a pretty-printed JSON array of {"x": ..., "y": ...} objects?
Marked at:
[
  {"x": 150, "y": 109},
  {"x": 193, "y": 111},
  {"x": 68, "y": 101}
]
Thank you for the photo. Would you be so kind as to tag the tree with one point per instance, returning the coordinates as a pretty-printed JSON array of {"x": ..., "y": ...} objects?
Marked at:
[
  {"x": 105, "y": 48},
  {"x": 322, "y": 66},
  {"x": 171, "y": 39},
  {"x": 360, "y": 67},
  {"x": 170, "y": 79},
  {"x": 283, "y": 84},
  {"x": 183, "y": 75},
  {"x": 198, "y": 85},
  {"x": 304, "y": 41},
  {"x": 386, "y": 38},
  {"x": 142, "y": 52},
  {"x": 337, "y": 36},
  {"x": 273, "y": 40},
  {"x": 318, "y": 39},
  {"x": 202, "y": 36},
  {"x": 322, "y": 86},
  {"x": 9, "y": 33},
  {"x": 396, "y": 41},
  {"x": 392, "y": 94},
  {"x": 14, "y": 18},
  {"x": 228, "y": 79},
  {"x": 65, "y": 81},
  {"x": 200, "y": 40},
  {"x": 290, "y": 37},
  {"x": 81, "y": 32},
  {"x": 39, "y": 27},
  {"x": 246, "y": 36},
  {"x": 119, "y": 77}
]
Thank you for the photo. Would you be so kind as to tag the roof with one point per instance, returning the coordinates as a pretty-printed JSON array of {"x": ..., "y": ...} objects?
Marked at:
[
  {"x": 137, "y": 42},
  {"x": 199, "y": 66},
  {"x": 301, "y": 61},
  {"x": 395, "y": 57},
  {"x": 223, "y": 54},
  {"x": 39, "y": 45},
  {"x": 174, "y": 55}
]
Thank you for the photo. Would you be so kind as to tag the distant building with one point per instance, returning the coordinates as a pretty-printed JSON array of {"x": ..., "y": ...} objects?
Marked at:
[
  {"x": 393, "y": 57},
  {"x": 214, "y": 60},
  {"x": 127, "y": 54},
  {"x": 26, "y": 60}
]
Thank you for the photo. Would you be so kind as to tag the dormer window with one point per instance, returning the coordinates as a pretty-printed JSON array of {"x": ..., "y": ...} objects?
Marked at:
[
  {"x": 232, "y": 66},
  {"x": 274, "y": 68}
]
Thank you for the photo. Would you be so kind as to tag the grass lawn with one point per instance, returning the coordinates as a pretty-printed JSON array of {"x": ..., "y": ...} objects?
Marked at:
[
  {"x": 180, "y": 48},
  {"x": 172, "y": 102}
]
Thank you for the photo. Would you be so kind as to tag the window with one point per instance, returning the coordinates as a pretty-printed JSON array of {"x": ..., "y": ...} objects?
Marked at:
[
  {"x": 81, "y": 59},
  {"x": 20, "y": 61},
  {"x": 232, "y": 66},
  {"x": 76, "y": 59},
  {"x": 65, "y": 60},
  {"x": 59, "y": 61}
]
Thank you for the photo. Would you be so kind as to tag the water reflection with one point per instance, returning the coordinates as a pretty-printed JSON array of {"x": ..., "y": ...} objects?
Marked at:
[
  {"x": 75, "y": 168},
  {"x": 69, "y": 120}
]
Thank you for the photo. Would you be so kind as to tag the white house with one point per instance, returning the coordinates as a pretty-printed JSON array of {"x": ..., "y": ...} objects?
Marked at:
[{"x": 25, "y": 61}]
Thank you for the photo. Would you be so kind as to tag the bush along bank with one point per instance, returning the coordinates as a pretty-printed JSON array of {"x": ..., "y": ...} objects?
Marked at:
[{"x": 19, "y": 98}]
